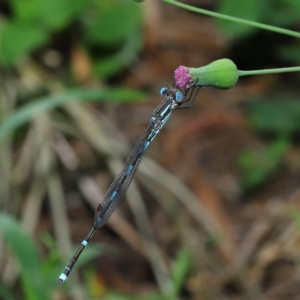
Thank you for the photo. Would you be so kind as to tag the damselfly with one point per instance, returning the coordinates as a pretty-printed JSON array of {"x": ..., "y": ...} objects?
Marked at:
[{"x": 173, "y": 99}]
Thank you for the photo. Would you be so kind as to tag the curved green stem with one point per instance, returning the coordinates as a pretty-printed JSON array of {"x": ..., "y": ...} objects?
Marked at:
[
  {"x": 234, "y": 19},
  {"x": 268, "y": 71}
]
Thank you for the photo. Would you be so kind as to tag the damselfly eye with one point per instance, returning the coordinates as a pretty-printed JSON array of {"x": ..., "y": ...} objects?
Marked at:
[
  {"x": 163, "y": 90},
  {"x": 178, "y": 96}
]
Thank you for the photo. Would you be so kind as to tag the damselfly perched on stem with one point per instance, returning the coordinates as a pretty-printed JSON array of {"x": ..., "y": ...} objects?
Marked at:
[{"x": 172, "y": 99}]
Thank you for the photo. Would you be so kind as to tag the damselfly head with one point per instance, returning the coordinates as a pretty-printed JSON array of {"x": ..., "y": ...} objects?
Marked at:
[{"x": 177, "y": 95}]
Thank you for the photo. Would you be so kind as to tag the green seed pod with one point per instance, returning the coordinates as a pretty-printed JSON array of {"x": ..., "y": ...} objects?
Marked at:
[{"x": 220, "y": 74}]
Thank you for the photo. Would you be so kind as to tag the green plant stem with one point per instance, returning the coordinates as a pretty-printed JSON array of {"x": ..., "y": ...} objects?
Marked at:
[
  {"x": 268, "y": 71},
  {"x": 234, "y": 19}
]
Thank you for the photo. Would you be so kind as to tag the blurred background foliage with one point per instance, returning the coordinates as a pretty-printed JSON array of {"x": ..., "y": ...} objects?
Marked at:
[
  {"x": 33, "y": 24},
  {"x": 224, "y": 227}
]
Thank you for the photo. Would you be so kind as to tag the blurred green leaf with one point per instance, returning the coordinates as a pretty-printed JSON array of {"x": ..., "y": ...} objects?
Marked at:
[
  {"x": 281, "y": 116},
  {"x": 25, "y": 11},
  {"x": 16, "y": 40},
  {"x": 113, "y": 36},
  {"x": 51, "y": 15},
  {"x": 27, "y": 257},
  {"x": 104, "y": 68},
  {"x": 259, "y": 166},
  {"x": 180, "y": 269},
  {"x": 56, "y": 14},
  {"x": 28, "y": 111},
  {"x": 251, "y": 10},
  {"x": 114, "y": 23},
  {"x": 282, "y": 17},
  {"x": 5, "y": 294},
  {"x": 293, "y": 5},
  {"x": 114, "y": 63},
  {"x": 289, "y": 54},
  {"x": 283, "y": 12}
]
